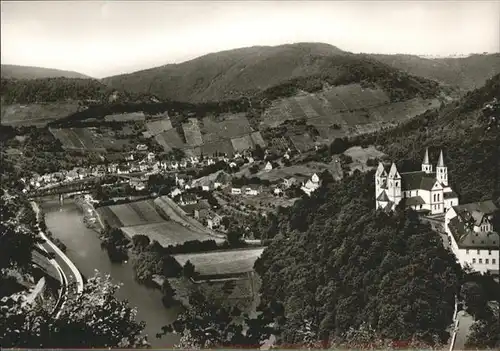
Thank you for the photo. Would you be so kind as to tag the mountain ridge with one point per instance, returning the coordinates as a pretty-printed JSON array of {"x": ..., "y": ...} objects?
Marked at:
[
  {"x": 34, "y": 72},
  {"x": 247, "y": 71}
]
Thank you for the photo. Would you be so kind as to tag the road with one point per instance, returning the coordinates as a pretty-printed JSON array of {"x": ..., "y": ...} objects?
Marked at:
[
  {"x": 71, "y": 278},
  {"x": 465, "y": 321}
]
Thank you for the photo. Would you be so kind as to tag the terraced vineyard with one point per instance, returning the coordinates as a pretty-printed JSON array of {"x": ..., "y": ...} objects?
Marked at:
[
  {"x": 89, "y": 139},
  {"x": 36, "y": 114},
  {"x": 352, "y": 108},
  {"x": 192, "y": 132},
  {"x": 158, "y": 126}
]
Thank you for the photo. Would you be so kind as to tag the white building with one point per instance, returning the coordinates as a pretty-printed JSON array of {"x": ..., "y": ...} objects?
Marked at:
[
  {"x": 422, "y": 190},
  {"x": 251, "y": 191},
  {"x": 311, "y": 185},
  {"x": 268, "y": 166},
  {"x": 472, "y": 237},
  {"x": 236, "y": 191}
]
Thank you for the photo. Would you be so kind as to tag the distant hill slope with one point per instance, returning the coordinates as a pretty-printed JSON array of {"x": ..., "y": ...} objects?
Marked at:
[
  {"x": 39, "y": 101},
  {"x": 248, "y": 71},
  {"x": 29, "y": 72},
  {"x": 464, "y": 72}
]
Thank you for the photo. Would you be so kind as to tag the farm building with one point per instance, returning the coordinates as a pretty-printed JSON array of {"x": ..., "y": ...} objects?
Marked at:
[
  {"x": 311, "y": 185},
  {"x": 251, "y": 190},
  {"x": 268, "y": 166}
]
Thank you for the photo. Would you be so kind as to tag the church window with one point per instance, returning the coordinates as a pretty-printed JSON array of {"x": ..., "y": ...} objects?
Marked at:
[
  {"x": 487, "y": 261},
  {"x": 480, "y": 260},
  {"x": 397, "y": 183},
  {"x": 478, "y": 252},
  {"x": 489, "y": 252},
  {"x": 493, "y": 261},
  {"x": 473, "y": 260},
  {"x": 467, "y": 251}
]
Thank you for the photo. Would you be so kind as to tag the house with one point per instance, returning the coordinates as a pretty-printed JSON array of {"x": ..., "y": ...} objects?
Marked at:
[
  {"x": 286, "y": 156},
  {"x": 422, "y": 190},
  {"x": 129, "y": 157},
  {"x": 233, "y": 164},
  {"x": 237, "y": 155},
  {"x": 112, "y": 168},
  {"x": 175, "y": 192},
  {"x": 288, "y": 182},
  {"x": 236, "y": 191},
  {"x": 137, "y": 184},
  {"x": 213, "y": 221},
  {"x": 141, "y": 147},
  {"x": 151, "y": 156},
  {"x": 268, "y": 166},
  {"x": 210, "y": 161},
  {"x": 187, "y": 199},
  {"x": 278, "y": 192},
  {"x": 250, "y": 190},
  {"x": 311, "y": 185},
  {"x": 205, "y": 187},
  {"x": 472, "y": 237},
  {"x": 72, "y": 175},
  {"x": 250, "y": 159}
]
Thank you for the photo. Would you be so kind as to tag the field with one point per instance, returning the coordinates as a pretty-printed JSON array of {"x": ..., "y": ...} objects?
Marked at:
[
  {"x": 222, "y": 262},
  {"x": 192, "y": 132},
  {"x": 125, "y": 117},
  {"x": 166, "y": 233},
  {"x": 169, "y": 139},
  {"x": 89, "y": 139},
  {"x": 131, "y": 214},
  {"x": 360, "y": 156},
  {"x": 355, "y": 109},
  {"x": 302, "y": 142},
  {"x": 232, "y": 126},
  {"x": 158, "y": 126},
  {"x": 302, "y": 170},
  {"x": 36, "y": 114},
  {"x": 220, "y": 146}
]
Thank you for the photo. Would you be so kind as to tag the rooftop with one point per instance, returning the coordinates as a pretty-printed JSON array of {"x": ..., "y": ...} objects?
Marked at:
[
  {"x": 468, "y": 239},
  {"x": 418, "y": 180}
]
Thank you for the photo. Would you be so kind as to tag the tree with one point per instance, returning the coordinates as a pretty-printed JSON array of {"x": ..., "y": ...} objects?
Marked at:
[
  {"x": 140, "y": 242},
  {"x": 188, "y": 270},
  {"x": 485, "y": 333},
  {"x": 93, "y": 319},
  {"x": 168, "y": 293},
  {"x": 207, "y": 325},
  {"x": 234, "y": 236}
]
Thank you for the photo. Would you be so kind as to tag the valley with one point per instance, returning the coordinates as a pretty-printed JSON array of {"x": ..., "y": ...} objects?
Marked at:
[{"x": 225, "y": 189}]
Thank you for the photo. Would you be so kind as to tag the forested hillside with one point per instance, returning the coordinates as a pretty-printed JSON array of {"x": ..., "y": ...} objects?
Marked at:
[
  {"x": 277, "y": 69},
  {"x": 29, "y": 72},
  {"x": 347, "y": 274},
  {"x": 466, "y": 73},
  {"x": 28, "y": 91}
]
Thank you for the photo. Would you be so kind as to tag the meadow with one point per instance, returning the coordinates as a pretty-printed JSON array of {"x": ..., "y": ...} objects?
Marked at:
[
  {"x": 158, "y": 126},
  {"x": 222, "y": 262},
  {"x": 166, "y": 233},
  {"x": 125, "y": 117},
  {"x": 90, "y": 139},
  {"x": 131, "y": 214}
]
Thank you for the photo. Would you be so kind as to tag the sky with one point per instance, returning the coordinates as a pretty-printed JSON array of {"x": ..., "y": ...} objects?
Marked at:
[{"x": 103, "y": 38}]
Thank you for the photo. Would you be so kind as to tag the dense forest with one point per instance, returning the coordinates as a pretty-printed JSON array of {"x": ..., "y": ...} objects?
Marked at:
[
  {"x": 340, "y": 265},
  {"x": 43, "y": 90}
]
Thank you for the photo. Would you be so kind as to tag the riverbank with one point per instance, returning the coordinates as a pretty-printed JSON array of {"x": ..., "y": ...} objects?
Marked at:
[{"x": 84, "y": 249}]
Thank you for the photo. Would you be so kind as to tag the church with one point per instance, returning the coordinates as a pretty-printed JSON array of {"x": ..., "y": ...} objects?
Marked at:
[{"x": 424, "y": 191}]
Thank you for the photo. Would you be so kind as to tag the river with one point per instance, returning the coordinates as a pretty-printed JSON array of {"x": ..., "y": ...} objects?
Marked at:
[{"x": 84, "y": 249}]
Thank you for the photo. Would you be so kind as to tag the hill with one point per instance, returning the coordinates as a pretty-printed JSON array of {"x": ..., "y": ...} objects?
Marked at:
[
  {"x": 346, "y": 274},
  {"x": 30, "y": 72},
  {"x": 464, "y": 72},
  {"x": 248, "y": 71},
  {"x": 39, "y": 101}
]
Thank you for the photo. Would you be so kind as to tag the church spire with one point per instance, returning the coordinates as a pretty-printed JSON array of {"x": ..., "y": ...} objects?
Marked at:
[
  {"x": 426, "y": 165},
  {"x": 440, "y": 161},
  {"x": 426, "y": 157}
]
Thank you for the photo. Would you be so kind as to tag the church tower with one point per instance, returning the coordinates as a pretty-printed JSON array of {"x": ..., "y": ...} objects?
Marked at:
[
  {"x": 442, "y": 171},
  {"x": 394, "y": 185},
  {"x": 426, "y": 165},
  {"x": 380, "y": 180}
]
